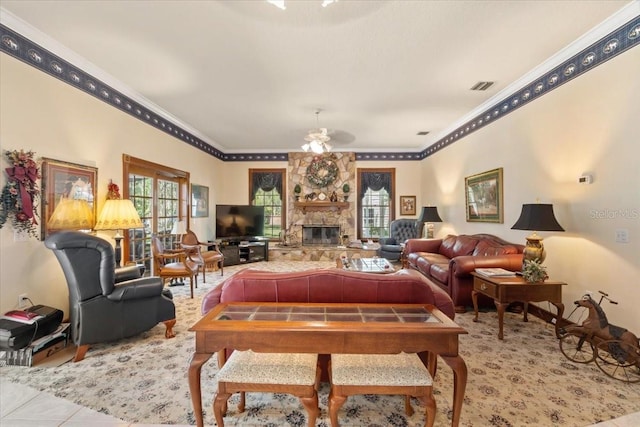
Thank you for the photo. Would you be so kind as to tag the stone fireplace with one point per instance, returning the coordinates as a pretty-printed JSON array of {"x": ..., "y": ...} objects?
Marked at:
[{"x": 318, "y": 220}]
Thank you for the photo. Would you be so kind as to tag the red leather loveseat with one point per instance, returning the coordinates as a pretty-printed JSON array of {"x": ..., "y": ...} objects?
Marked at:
[
  {"x": 449, "y": 262},
  {"x": 330, "y": 286}
]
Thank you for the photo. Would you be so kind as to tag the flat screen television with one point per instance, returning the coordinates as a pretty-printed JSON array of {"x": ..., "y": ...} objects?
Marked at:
[{"x": 239, "y": 221}]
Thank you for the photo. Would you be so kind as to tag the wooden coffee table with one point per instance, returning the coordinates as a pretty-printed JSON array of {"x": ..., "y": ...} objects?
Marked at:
[
  {"x": 328, "y": 329},
  {"x": 505, "y": 290}
]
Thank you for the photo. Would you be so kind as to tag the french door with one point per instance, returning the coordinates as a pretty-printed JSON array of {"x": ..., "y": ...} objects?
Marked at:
[{"x": 160, "y": 195}]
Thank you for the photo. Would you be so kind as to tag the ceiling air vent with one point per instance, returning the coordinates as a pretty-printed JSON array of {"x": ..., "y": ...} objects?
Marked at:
[
  {"x": 482, "y": 86},
  {"x": 424, "y": 132}
]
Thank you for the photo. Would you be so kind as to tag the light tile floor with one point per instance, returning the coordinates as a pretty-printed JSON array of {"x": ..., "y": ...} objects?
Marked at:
[{"x": 22, "y": 406}]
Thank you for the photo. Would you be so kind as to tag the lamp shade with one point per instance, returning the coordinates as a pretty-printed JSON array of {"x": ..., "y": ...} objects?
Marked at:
[
  {"x": 429, "y": 214},
  {"x": 118, "y": 214},
  {"x": 71, "y": 214},
  {"x": 178, "y": 228},
  {"x": 537, "y": 217}
]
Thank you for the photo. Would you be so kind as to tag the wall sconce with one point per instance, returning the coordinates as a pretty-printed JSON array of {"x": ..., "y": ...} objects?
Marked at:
[
  {"x": 536, "y": 217},
  {"x": 429, "y": 214}
]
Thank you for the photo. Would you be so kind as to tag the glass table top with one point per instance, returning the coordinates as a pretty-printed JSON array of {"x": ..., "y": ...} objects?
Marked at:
[{"x": 348, "y": 313}]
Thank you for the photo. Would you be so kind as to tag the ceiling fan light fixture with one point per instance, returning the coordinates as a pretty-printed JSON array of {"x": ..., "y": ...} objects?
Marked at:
[
  {"x": 280, "y": 3},
  {"x": 317, "y": 139},
  {"x": 317, "y": 147},
  {"x": 277, "y": 3}
]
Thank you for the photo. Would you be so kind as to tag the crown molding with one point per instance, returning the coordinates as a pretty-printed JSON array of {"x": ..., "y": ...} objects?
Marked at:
[{"x": 612, "y": 37}]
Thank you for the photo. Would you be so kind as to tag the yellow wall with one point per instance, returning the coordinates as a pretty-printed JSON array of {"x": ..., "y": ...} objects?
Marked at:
[
  {"x": 584, "y": 126},
  {"x": 589, "y": 125}
]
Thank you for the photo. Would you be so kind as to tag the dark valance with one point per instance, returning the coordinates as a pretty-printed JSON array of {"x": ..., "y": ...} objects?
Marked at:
[
  {"x": 375, "y": 181},
  {"x": 266, "y": 181}
]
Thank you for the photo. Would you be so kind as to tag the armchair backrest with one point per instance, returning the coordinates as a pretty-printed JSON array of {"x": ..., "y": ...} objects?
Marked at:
[
  {"x": 190, "y": 238},
  {"x": 403, "y": 229},
  {"x": 88, "y": 263},
  {"x": 157, "y": 250}
]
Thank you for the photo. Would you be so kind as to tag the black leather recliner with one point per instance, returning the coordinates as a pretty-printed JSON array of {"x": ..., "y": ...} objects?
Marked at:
[
  {"x": 399, "y": 231},
  {"x": 102, "y": 310}
]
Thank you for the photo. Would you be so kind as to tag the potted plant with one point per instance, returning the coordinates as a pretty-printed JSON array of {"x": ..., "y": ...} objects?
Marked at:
[
  {"x": 297, "y": 190},
  {"x": 534, "y": 272},
  {"x": 345, "y": 190}
]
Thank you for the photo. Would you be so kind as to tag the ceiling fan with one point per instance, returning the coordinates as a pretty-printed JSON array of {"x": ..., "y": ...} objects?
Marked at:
[{"x": 317, "y": 139}]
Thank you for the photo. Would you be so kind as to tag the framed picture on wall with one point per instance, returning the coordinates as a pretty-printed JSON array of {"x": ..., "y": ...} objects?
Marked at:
[
  {"x": 483, "y": 194},
  {"x": 74, "y": 184},
  {"x": 199, "y": 201},
  {"x": 407, "y": 205}
]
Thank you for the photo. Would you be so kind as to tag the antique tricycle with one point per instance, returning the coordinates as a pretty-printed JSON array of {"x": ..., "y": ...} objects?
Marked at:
[{"x": 615, "y": 350}]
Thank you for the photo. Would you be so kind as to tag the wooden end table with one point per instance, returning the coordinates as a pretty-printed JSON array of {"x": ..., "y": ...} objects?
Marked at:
[{"x": 505, "y": 290}]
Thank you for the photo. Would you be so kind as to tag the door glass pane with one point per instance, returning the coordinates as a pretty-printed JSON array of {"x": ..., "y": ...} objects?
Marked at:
[
  {"x": 160, "y": 221},
  {"x": 141, "y": 194}
]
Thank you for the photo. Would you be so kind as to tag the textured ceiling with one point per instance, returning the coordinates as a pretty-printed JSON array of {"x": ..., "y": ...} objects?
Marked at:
[{"x": 246, "y": 76}]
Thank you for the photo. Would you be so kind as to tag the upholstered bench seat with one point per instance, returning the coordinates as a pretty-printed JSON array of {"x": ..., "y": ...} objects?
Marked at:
[
  {"x": 247, "y": 371},
  {"x": 402, "y": 373}
]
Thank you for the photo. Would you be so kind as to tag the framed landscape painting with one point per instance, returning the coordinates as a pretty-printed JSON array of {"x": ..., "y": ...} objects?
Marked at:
[
  {"x": 199, "y": 201},
  {"x": 484, "y": 196}
]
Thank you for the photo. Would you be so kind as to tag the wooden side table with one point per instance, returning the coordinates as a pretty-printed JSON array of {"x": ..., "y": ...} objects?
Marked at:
[{"x": 505, "y": 290}]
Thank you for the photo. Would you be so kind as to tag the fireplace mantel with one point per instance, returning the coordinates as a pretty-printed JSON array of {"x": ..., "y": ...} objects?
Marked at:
[{"x": 320, "y": 206}]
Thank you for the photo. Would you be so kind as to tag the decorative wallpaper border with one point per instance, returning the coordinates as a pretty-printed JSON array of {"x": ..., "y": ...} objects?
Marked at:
[{"x": 608, "y": 47}]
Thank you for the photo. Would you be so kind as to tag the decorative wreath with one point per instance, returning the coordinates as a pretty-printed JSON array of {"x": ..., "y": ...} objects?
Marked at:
[
  {"x": 322, "y": 172},
  {"x": 18, "y": 200}
]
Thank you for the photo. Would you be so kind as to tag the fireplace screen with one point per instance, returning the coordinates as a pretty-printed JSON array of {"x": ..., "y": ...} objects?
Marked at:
[{"x": 320, "y": 235}]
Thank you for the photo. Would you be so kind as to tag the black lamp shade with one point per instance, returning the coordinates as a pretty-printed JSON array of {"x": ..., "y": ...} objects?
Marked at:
[
  {"x": 429, "y": 214},
  {"x": 537, "y": 217}
]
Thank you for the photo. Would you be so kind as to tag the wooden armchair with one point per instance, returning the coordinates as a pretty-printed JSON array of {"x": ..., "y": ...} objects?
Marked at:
[
  {"x": 204, "y": 258},
  {"x": 171, "y": 264}
]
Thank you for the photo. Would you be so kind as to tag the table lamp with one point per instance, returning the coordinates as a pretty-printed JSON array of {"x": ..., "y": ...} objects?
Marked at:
[
  {"x": 118, "y": 214},
  {"x": 179, "y": 228},
  {"x": 429, "y": 215},
  {"x": 71, "y": 214},
  {"x": 536, "y": 217}
]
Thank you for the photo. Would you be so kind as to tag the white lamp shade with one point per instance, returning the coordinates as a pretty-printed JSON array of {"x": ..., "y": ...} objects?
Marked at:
[
  {"x": 71, "y": 214},
  {"x": 118, "y": 214},
  {"x": 179, "y": 227}
]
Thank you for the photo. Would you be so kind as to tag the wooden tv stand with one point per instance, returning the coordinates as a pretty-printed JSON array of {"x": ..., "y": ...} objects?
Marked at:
[{"x": 241, "y": 251}]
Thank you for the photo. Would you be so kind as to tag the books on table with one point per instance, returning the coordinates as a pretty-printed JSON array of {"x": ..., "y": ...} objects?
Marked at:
[
  {"x": 22, "y": 316},
  {"x": 495, "y": 272}
]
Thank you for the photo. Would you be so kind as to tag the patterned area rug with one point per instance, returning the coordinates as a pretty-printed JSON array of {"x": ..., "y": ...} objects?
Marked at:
[{"x": 523, "y": 380}]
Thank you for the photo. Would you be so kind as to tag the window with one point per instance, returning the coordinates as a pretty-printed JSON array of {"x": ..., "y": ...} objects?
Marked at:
[
  {"x": 376, "y": 188},
  {"x": 160, "y": 195},
  {"x": 266, "y": 189}
]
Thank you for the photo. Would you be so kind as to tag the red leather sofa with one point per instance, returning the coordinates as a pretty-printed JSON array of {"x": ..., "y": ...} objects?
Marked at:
[
  {"x": 449, "y": 262},
  {"x": 330, "y": 286}
]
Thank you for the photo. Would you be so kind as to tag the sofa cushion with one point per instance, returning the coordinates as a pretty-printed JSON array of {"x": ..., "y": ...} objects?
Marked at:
[
  {"x": 453, "y": 246},
  {"x": 425, "y": 260},
  {"x": 487, "y": 247},
  {"x": 440, "y": 272}
]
